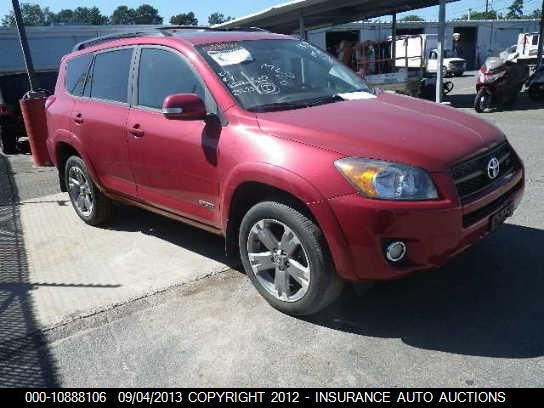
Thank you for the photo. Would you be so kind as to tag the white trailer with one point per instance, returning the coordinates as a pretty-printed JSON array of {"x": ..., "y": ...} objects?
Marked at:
[
  {"x": 527, "y": 46},
  {"x": 419, "y": 51}
]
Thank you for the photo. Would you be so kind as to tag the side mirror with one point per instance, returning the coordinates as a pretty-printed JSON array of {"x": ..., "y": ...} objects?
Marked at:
[{"x": 184, "y": 107}]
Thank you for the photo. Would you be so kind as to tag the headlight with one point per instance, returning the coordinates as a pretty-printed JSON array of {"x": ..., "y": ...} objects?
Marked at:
[{"x": 386, "y": 180}]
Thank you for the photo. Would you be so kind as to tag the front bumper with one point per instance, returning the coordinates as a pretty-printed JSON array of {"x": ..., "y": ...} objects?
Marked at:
[{"x": 433, "y": 231}]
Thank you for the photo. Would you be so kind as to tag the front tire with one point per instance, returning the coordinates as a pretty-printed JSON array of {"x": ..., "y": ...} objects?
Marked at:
[
  {"x": 285, "y": 255},
  {"x": 90, "y": 204},
  {"x": 482, "y": 101}
]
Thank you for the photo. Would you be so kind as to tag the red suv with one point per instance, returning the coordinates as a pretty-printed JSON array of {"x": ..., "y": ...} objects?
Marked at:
[{"x": 312, "y": 175}]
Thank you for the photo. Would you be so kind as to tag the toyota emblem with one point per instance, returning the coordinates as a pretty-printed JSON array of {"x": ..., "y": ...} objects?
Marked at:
[{"x": 493, "y": 168}]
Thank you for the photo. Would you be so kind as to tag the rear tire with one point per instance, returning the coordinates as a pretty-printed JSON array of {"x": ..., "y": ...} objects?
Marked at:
[
  {"x": 8, "y": 142},
  {"x": 90, "y": 204},
  {"x": 285, "y": 255}
]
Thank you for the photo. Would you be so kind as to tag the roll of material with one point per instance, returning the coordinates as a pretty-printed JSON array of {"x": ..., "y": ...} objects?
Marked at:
[{"x": 33, "y": 110}]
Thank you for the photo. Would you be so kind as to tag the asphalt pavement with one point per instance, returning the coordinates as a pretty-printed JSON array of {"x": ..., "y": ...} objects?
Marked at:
[{"x": 475, "y": 322}]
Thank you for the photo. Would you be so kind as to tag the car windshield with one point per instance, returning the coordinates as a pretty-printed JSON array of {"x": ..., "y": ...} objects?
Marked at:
[{"x": 266, "y": 75}]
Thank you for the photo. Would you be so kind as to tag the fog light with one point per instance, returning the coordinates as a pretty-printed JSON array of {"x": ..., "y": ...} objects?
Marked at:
[{"x": 395, "y": 251}]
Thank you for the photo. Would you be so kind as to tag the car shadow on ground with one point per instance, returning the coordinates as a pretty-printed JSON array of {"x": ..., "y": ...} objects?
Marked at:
[
  {"x": 25, "y": 360},
  {"x": 486, "y": 302},
  {"x": 133, "y": 219}
]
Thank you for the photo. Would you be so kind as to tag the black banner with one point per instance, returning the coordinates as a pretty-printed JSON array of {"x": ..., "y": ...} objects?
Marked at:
[{"x": 105, "y": 397}]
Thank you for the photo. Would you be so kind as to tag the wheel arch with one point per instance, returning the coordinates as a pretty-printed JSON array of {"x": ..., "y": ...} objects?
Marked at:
[
  {"x": 253, "y": 184},
  {"x": 66, "y": 144}
]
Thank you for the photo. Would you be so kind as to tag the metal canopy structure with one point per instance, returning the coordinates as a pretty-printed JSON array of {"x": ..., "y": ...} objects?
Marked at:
[
  {"x": 285, "y": 18},
  {"x": 303, "y": 15}
]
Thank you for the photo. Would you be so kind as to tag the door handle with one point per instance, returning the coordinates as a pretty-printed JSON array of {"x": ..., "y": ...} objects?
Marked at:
[
  {"x": 78, "y": 118},
  {"x": 136, "y": 131}
]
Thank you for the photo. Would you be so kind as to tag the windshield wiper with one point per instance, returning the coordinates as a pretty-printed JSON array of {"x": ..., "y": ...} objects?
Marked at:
[
  {"x": 305, "y": 103},
  {"x": 321, "y": 100},
  {"x": 276, "y": 106}
]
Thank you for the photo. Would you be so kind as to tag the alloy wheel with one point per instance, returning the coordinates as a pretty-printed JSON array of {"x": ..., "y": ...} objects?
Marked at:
[
  {"x": 80, "y": 192},
  {"x": 278, "y": 260}
]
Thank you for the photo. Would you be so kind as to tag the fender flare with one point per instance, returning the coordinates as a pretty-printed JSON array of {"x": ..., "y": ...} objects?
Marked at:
[
  {"x": 267, "y": 174},
  {"x": 69, "y": 138},
  {"x": 300, "y": 188}
]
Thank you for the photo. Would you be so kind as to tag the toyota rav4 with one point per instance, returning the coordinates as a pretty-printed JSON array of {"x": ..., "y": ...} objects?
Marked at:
[{"x": 313, "y": 177}]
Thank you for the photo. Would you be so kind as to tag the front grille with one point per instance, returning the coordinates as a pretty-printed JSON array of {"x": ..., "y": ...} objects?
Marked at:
[{"x": 471, "y": 176}]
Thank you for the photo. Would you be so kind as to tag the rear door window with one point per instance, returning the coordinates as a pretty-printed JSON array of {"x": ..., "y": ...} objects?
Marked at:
[
  {"x": 110, "y": 75},
  {"x": 163, "y": 73},
  {"x": 76, "y": 74}
]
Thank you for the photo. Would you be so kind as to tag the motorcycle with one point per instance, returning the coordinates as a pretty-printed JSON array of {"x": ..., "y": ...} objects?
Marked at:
[
  {"x": 499, "y": 83},
  {"x": 535, "y": 85}
]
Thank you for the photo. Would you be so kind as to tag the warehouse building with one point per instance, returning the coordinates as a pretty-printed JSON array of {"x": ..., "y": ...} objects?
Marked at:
[{"x": 479, "y": 38}]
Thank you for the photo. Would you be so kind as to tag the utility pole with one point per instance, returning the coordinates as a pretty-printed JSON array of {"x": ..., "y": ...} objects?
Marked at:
[
  {"x": 24, "y": 44},
  {"x": 486, "y": 6},
  {"x": 394, "y": 39},
  {"x": 469, "y": 11},
  {"x": 540, "y": 39},
  {"x": 301, "y": 27},
  {"x": 440, "y": 48}
]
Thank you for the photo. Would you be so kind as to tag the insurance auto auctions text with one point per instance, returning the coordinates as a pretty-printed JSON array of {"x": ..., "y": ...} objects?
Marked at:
[{"x": 348, "y": 396}]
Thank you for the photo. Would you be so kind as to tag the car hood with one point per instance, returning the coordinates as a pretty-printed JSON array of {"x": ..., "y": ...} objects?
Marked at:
[{"x": 388, "y": 127}]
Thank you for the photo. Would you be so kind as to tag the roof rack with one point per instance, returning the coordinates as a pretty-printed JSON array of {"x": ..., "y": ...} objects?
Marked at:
[
  {"x": 206, "y": 28},
  {"x": 110, "y": 37},
  {"x": 244, "y": 29},
  {"x": 166, "y": 31}
]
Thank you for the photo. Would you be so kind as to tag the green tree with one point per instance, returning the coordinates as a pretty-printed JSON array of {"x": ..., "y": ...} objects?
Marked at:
[
  {"x": 65, "y": 16},
  {"x": 537, "y": 13},
  {"x": 480, "y": 15},
  {"x": 123, "y": 15},
  {"x": 32, "y": 14},
  {"x": 515, "y": 10},
  {"x": 218, "y": 18},
  {"x": 49, "y": 16},
  {"x": 412, "y": 17},
  {"x": 147, "y": 14},
  {"x": 8, "y": 20},
  {"x": 188, "y": 19},
  {"x": 86, "y": 15}
]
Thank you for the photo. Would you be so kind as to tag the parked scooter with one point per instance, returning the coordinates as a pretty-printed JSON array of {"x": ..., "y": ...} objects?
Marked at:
[
  {"x": 499, "y": 83},
  {"x": 535, "y": 85}
]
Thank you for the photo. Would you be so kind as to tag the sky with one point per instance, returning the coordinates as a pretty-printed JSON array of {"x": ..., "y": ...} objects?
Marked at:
[{"x": 238, "y": 8}]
